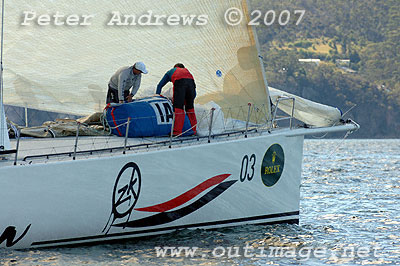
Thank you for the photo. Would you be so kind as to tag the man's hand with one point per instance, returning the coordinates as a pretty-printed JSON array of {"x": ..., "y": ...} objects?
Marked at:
[{"x": 129, "y": 98}]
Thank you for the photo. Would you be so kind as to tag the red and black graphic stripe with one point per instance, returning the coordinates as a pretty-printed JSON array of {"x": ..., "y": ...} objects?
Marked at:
[
  {"x": 170, "y": 216},
  {"x": 185, "y": 197}
]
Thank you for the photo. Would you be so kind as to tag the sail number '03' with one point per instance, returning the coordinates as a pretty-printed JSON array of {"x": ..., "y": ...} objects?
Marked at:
[{"x": 247, "y": 169}]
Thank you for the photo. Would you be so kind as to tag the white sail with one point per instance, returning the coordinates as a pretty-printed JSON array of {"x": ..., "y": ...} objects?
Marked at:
[
  {"x": 67, "y": 68},
  {"x": 309, "y": 112}
]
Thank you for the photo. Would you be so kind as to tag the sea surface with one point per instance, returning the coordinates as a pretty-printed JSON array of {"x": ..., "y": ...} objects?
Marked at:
[{"x": 349, "y": 215}]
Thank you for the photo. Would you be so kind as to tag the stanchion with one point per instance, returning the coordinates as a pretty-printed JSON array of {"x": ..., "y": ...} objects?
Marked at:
[
  {"x": 17, "y": 148},
  {"x": 126, "y": 134},
  {"x": 76, "y": 141},
  {"x": 248, "y": 120},
  {"x": 211, "y": 123}
]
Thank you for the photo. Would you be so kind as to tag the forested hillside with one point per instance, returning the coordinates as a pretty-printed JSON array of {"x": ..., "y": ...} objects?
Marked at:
[{"x": 365, "y": 32}]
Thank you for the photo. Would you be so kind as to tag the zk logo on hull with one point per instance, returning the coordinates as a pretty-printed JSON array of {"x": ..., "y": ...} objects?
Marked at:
[
  {"x": 272, "y": 165},
  {"x": 127, "y": 191},
  {"x": 125, "y": 195}
]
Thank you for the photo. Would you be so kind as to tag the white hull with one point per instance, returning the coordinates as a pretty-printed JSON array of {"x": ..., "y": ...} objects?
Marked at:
[{"x": 202, "y": 186}]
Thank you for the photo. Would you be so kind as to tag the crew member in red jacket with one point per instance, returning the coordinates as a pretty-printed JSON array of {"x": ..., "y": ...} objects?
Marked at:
[{"x": 183, "y": 97}]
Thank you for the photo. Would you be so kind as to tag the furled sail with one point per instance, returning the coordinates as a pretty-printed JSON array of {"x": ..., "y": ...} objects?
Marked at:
[
  {"x": 309, "y": 112},
  {"x": 66, "y": 68}
]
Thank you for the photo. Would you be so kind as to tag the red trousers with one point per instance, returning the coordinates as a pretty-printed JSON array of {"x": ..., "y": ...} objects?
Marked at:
[{"x": 184, "y": 95}]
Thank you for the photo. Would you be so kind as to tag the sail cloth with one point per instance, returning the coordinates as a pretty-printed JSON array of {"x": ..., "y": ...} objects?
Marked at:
[
  {"x": 92, "y": 125},
  {"x": 309, "y": 112},
  {"x": 66, "y": 69}
]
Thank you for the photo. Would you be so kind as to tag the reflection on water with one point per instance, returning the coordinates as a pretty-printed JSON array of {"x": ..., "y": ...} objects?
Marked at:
[{"x": 349, "y": 213}]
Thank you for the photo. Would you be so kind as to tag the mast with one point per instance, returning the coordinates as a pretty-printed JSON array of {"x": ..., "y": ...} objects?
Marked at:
[{"x": 4, "y": 140}]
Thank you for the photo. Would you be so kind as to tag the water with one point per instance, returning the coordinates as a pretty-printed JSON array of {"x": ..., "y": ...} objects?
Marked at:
[{"x": 349, "y": 213}]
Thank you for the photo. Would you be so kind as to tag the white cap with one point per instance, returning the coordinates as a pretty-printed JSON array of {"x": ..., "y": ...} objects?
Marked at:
[{"x": 140, "y": 66}]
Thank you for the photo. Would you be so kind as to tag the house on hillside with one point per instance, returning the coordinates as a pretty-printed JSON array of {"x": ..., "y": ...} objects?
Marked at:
[
  {"x": 310, "y": 61},
  {"x": 343, "y": 63}
]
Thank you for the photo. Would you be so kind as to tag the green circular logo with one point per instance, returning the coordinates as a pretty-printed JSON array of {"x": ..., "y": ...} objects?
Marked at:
[{"x": 272, "y": 165}]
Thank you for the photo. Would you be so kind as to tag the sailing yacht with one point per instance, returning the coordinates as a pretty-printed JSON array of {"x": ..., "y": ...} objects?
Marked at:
[{"x": 79, "y": 190}]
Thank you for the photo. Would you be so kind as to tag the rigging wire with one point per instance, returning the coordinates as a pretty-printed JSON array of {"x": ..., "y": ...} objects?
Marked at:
[
  {"x": 348, "y": 111},
  {"x": 348, "y": 133}
]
